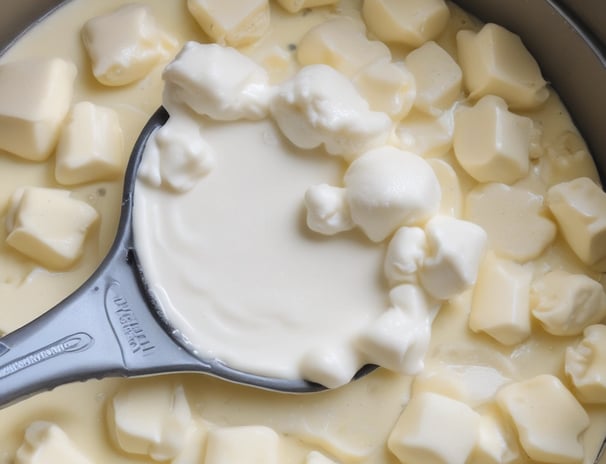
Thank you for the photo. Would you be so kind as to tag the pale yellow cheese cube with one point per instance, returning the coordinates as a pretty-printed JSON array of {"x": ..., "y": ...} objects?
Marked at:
[
  {"x": 48, "y": 226},
  {"x": 579, "y": 207},
  {"x": 242, "y": 445},
  {"x": 566, "y": 303},
  {"x": 294, "y": 6},
  {"x": 35, "y": 95},
  {"x": 47, "y": 443},
  {"x": 491, "y": 143},
  {"x": 150, "y": 419},
  {"x": 586, "y": 365},
  {"x": 437, "y": 76},
  {"x": 496, "y": 443},
  {"x": 426, "y": 135},
  {"x": 500, "y": 305},
  {"x": 388, "y": 87},
  {"x": 410, "y": 22},
  {"x": 342, "y": 44},
  {"x": 548, "y": 418},
  {"x": 91, "y": 146},
  {"x": 496, "y": 62},
  {"x": 434, "y": 429},
  {"x": 126, "y": 44},
  {"x": 330, "y": 365},
  {"x": 231, "y": 22},
  {"x": 451, "y": 203}
]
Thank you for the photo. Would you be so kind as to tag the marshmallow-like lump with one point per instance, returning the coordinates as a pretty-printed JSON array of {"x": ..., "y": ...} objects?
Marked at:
[
  {"x": 342, "y": 44},
  {"x": 48, "y": 225},
  {"x": 91, "y": 146},
  {"x": 320, "y": 106},
  {"x": 252, "y": 444},
  {"x": 388, "y": 188},
  {"x": 496, "y": 62},
  {"x": 46, "y": 442},
  {"x": 126, "y": 44},
  {"x": 491, "y": 143},
  {"x": 579, "y": 207},
  {"x": 294, "y": 6},
  {"x": 566, "y": 303},
  {"x": 548, "y": 418},
  {"x": 514, "y": 218},
  {"x": 231, "y": 22},
  {"x": 330, "y": 365},
  {"x": 217, "y": 81},
  {"x": 501, "y": 300},
  {"x": 585, "y": 365},
  {"x": 437, "y": 75},
  {"x": 152, "y": 419},
  {"x": 35, "y": 96},
  {"x": 455, "y": 251},
  {"x": 409, "y": 22},
  {"x": 434, "y": 429},
  {"x": 405, "y": 254},
  {"x": 327, "y": 209}
]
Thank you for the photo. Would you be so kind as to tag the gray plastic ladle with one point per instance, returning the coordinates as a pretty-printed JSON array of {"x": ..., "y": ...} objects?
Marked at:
[{"x": 111, "y": 326}]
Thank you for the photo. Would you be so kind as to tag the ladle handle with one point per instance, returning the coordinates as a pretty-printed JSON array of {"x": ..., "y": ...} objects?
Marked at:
[{"x": 104, "y": 329}]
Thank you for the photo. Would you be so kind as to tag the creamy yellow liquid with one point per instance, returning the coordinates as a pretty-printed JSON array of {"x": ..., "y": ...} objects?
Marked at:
[{"x": 352, "y": 423}]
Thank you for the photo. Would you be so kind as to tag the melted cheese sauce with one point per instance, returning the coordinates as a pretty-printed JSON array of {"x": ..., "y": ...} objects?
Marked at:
[{"x": 352, "y": 423}]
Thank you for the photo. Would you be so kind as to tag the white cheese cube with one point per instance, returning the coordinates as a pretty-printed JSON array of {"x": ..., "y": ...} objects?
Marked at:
[
  {"x": 91, "y": 146},
  {"x": 231, "y": 22},
  {"x": 320, "y": 106},
  {"x": 125, "y": 45},
  {"x": 388, "y": 87},
  {"x": 514, "y": 219},
  {"x": 398, "y": 339},
  {"x": 315, "y": 457},
  {"x": 216, "y": 81},
  {"x": 388, "y": 188},
  {"x": 500, "y": 305},
  {"x": 491, "y": 143},
  {"x": 579, "y": 207},
  {"x": 405, "y": 254},
  {"x": 35, "y": 96},
  {"x": 586, "y": 365},
  {"x": 425, "y": 135},
  {"x": 452, "y": 194},
  {"x": 48, "y": 226},
  {"x": 150, "y": 419},
  {"x": 496, "y": 62},
  {"x": 242, "y": 445},
  {"x": 47, "y": 443},
  {"x": 294, "y": 6},
  {"x": 437, "y": 76},
  {"x": 434, "y": 429},
  {"x": 456, "y": 249},
  {"x": 327, "y": 209},
  {"x": 496, "y": 443},
  {"x": 342, "y": 44},
  {"x": 410, "y": 22},
  {"x": 548, "y": 418},
  {"x": 331, "y": 366},
  {"x": 566, "y": 303}
]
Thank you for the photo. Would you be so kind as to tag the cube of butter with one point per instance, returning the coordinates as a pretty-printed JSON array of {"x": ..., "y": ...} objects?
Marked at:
[
  {"x": 434, "y": 429},
  {"x": 579, "y": 207},
  {"x": 125, "y": 45},
  {"x": 438, "y": 78},
  {"x": 491, "y": 143},
  {"x": 586, "y": 365},
  {"x": 496, "y": 62},
  {"x": 35, "y": 96},
  {"x": 294, "y": 6},
  {"x": 242, "y": 445},
  {"x": 91, "y": 146},
  {"x": 231, "y": 22},
  {"x": 47, "y": 443},
  {"x": 342, "y": 44},
  {"x": 410, "y": 22},
  {"x": 500, "y": 305},
  {"x": 150, "y": 419},
  {"x": 48, "y": 226},
  {"x": 548, "y": 418}
]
